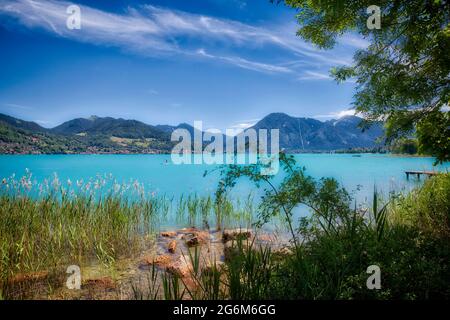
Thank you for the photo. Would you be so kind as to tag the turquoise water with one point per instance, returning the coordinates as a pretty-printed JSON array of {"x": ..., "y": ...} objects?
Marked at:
[{"x": 160, "y": 176}]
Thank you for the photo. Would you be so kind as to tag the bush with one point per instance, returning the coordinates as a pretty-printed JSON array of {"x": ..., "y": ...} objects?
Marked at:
[{"x": 427, "y": 208}]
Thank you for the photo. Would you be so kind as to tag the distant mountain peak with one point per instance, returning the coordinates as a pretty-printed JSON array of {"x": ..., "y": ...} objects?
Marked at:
[{"x": 311, "y": 134}]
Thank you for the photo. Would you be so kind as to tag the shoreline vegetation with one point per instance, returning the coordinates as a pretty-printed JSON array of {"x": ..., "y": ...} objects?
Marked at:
[{"x": 224, "y": 252}]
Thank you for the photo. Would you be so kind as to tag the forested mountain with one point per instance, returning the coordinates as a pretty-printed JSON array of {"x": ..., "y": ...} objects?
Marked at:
[{"x": 109, "y": 135}]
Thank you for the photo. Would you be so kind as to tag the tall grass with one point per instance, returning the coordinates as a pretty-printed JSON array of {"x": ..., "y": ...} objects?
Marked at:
[
  {"x": 205, "y": 212},
  {"x": 50, "y": 225},
  {"x": 37, "y": 234},
  {"x": 46, "y": 226}
]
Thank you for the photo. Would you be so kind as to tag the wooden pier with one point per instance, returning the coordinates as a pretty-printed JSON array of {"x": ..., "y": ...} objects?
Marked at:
[{"x": 419, "y": 173}]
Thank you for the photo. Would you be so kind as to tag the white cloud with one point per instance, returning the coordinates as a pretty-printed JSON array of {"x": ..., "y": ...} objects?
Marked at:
[
  {"x": 312, "y": 75},
  {"x": 152, "y": 31},
  {"x": 343, "y": 113},
  {"x": 337, "y": 114},
  {"x": 247, "y": 64},
  {"x": 43, "y": 123}
]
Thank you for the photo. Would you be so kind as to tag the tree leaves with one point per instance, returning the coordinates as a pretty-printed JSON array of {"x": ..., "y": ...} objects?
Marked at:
[{"x": 403, "y": 77}]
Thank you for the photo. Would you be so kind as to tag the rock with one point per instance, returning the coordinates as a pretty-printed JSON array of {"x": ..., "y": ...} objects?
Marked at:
[
  {"x": 179, "y": 267},
  {"x": 172, "y": 246},
  {"x": 104, "y": 283},
  {"x": 236, "y": 234},
  {"x": 194, "y": 237},
  {"x": 169, "y": 234},
  {"x": 28, "y": 277},
  {"x": 160, "y": 261},
  {"x": 192, "y": 241}
]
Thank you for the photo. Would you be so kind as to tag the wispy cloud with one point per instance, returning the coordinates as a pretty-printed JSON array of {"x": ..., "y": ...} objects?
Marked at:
[
  {"x": 247, "y": 64},
  {"x": 154, "y": 31},
  {"x": 337, "y": 114},
  {"x": 16, "y": 106},
  {"x": 312, "y": 75}
]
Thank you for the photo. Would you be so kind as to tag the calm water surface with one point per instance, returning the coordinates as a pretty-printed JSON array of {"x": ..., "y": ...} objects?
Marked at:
[{"x": 159, "y": 175}]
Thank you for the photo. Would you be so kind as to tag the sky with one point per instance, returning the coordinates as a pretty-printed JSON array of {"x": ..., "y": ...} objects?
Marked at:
[{"x": 227, "y": 63}]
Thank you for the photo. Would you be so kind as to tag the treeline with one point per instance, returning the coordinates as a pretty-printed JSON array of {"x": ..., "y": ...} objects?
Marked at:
[{"x": 20, "y": 141}]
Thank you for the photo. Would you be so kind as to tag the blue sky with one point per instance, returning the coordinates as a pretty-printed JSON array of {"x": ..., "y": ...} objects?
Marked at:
[{"x": 225, "y": 62}]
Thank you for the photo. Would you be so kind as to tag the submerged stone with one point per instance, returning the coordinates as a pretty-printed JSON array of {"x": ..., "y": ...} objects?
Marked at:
[{"x": 172, "y": 246}]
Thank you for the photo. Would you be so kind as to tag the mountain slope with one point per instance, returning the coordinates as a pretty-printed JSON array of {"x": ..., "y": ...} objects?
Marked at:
[
  {"x": 297, "y": 134},
  {"x": 130, "y": 129},
  {"x": 106, "y": 135},
  {"x": 21, "y": 124}
]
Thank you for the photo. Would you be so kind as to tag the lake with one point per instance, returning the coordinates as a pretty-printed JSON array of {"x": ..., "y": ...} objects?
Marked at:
[{"x": 156, "y": 172}]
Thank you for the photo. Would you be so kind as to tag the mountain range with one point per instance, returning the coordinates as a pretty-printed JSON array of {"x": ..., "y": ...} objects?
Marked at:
[{"x": 110, "y": 135}]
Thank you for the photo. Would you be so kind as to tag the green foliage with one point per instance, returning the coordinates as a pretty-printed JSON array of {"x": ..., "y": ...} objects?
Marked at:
[
  {"x": 405, "y": 146},
  {"x": 172, "y": 287},
  {"x": 407, "y": 237},
  {"x": 403, "y": 75},
  {"x": 326, "y": 198},
  {"x": 249, "y": 271},
  {"x": 434, "y": 135},
  {"x": 427, "y": 208}
]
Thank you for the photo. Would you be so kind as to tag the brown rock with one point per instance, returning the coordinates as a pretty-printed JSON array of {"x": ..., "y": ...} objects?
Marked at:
[
  {"x": 160, "y": 261},
  {"x": 28, "y": 277},
  {"x": 179, "y": 267},
  {"x": 104, "y": 283},
  {"x": 194, "y": 237},
  {"x": 172, "y": 246},
  {"x": 169, "y": 234},
  {"x": 236, "y": 234},
  {"x": 192, "y": 241}
]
